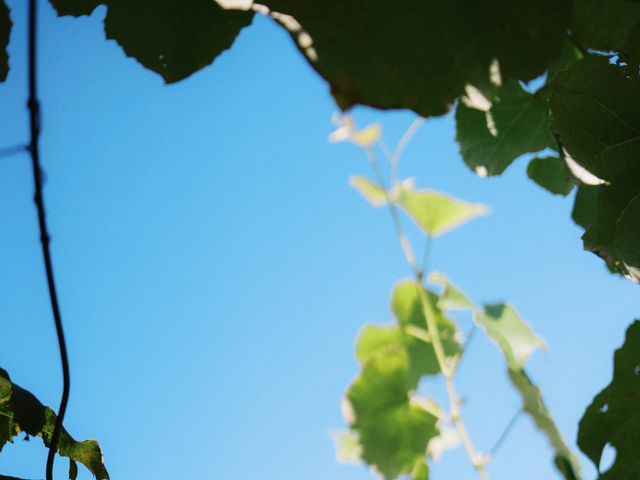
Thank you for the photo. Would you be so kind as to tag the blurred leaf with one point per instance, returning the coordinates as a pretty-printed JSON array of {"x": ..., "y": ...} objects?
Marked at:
[
  {"x": 348, "y": 448},
  {"x": 585, "y": 205},
  {"x": 174, "y": 39},
  {"x": 5, "y": 33},
  {"x": 21, "y": 411},
  {"x": 549, "y": 173},
  {"x": 421, "y": 358},
  {"x": 604, "y": 25},
  {"x": 420, "y": 470},
  {"x": 399, "y": 55},
  {"x": 516, "y": 124},
  {"x": 513, "y": 336},
  {"x": 73, "y": 470},
  {"x": 534, "y": 406},
  {"x": 393, "y": 431},
  {"x": 451, "y": 298},
  {"x": 614, "y": 415},
  {"x": 369, "y": 190},
  {"x": 436, "y": 212}
]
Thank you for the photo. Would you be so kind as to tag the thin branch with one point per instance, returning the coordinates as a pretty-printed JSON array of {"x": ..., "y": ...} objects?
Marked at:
[
  {"x": 13, "y": 150},
  {"x": 465, "y": 347},
  {"x": 505, "y": 433},
  {"x": 34, "y": 123}
]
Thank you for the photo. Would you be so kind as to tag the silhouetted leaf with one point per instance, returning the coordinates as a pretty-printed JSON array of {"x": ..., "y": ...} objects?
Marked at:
[
  {"x": 393, "y": 431},
  {"x": 21, "y": 411},
  {"x": 585, "y": 205},
  {"x": 516, "y": 123},
  {"x": 534, "y": 406},
  {"x": 549, "y": 173},
  {"x": 5, "y": 33},
  {"x": 604, "y": 25},
  {"x": 513, "y": 336},
  {"x": 421, "y": 54},
  {"x": 436, "y": 212},
  {"x": 614, "y": 415},
  {"x": 172, "y": 38}
]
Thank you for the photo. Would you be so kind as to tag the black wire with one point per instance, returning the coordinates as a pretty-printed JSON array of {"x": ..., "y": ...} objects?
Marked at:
[{"x": 34, "y": 118}]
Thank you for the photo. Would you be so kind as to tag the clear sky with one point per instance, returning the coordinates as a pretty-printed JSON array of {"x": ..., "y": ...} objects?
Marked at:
[{"x": 214, "y": 266}]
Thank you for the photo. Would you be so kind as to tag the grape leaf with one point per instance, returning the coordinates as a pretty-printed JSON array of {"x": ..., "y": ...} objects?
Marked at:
[
  {"x": 174, "y": 39},
  {"x": 614, "y": 414},
  {"x": 421, "y": 358},
  {"x": 585, "y": 205},
  {"x": 420, "y": 470},
  {"x": 451, "y": 297},
  {"x": 393, "y": 431},
  {"x": 534, "y": 406},
  {"x": 511, "y": 334},
  {"x": 371, "y": 192},
  {"x": 604, "y": 25},
  {"x": 517, "y": 123},
  {"x": 595, "y": 110},
  {"x": 348, "y": 448},
  {"x": 21, "y": 411},
  {"x": 436, "y": 212},
  {"x": 549, "y": 173},
  {"x": 5, "y": 33},
  {"x": 420, "y": 54}
]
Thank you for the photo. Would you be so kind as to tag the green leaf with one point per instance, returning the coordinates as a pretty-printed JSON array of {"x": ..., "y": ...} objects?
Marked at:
[
  {"x": 420, "y": 54},
  {"x": 174, "y": 39},
  {"x": 585, "y": 205},
  {"x": 421, "y": 357},
  {"x": 371, "y": 192},
  {"x": 348, "y": 448},
  {"x": 614, "y": 235},
  {"x": 604, "y": 25},
  {"x": 451, "y": 297},
  {"x": 420, "y": 470},
  {"x": 393, "y": 431},
  {"x": 5, "y": 33},
  {"x": 595, "y": 110},
  {"x": 21, "y": 411},
  {"x": 511, "y": 334},
  {"x": 614, "y": 415},
  {"x": 516, "y": 124},
  {"x": 436, "y": 212},
  {"x": 73, "y": 470},
  {"x": 534, "y": 406},
  {"x": 408, "y": 309},
  {"x": 549, "y": 173}
]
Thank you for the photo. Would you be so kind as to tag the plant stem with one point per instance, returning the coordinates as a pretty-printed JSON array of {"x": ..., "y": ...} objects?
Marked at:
[{"x": 34, "y": 123}]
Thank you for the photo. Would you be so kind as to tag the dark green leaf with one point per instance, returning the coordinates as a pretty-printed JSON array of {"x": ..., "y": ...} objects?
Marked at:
[
  {"x": 604, "y": 25},
  {"x": 21, "y": 411},
  {"x": 73, "y": 470},
  {"x": 421, "y": 54},
  {"x": 549, "y": 173},
  {"x": 585, "y": 205},
  {"x": 614, "y": 415},
  {"x": 393, "y": 431},
  {"x": 172, "y": 38},
  {"x": 534, "y": 406},
  {"x": 513, "y": 336},
  {"x": 5, "y": 33},
  {"x": 517, "y": 123},
  {"x": 595, "y": 108}
]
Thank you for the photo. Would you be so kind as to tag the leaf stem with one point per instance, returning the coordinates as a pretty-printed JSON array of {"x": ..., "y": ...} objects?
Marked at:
[{"x": 34, "y": 123}]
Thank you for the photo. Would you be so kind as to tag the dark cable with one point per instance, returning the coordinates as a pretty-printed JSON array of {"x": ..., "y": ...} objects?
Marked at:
[{"x": 34, "y": 117}]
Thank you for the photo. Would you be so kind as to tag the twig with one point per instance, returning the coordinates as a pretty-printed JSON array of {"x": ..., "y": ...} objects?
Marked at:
[
  {"x": 13, "y": 150},
  {"x": 505, "y": 433},
  {"x": 34, "y": 121}
]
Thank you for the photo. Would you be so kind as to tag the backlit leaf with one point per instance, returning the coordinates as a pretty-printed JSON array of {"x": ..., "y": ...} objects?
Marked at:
[
  {"x": 393, "y": 431},
  {"x": 451, "y": 297},
  {"x": 533, "y": 404},
  {"x": 369, "y": 190},
  {"x": 172, "y": 38},
  {"x": 614, "y": 415},
  {"x": 436, "y": 212},
  {"x": 513, "y": 336},
  {"x": 21, "y": 411},
  {"x": 348, "y": 448}
]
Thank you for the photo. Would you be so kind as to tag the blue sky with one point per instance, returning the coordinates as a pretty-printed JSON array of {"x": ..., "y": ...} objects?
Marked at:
[{"x": 214, "y": 266}]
